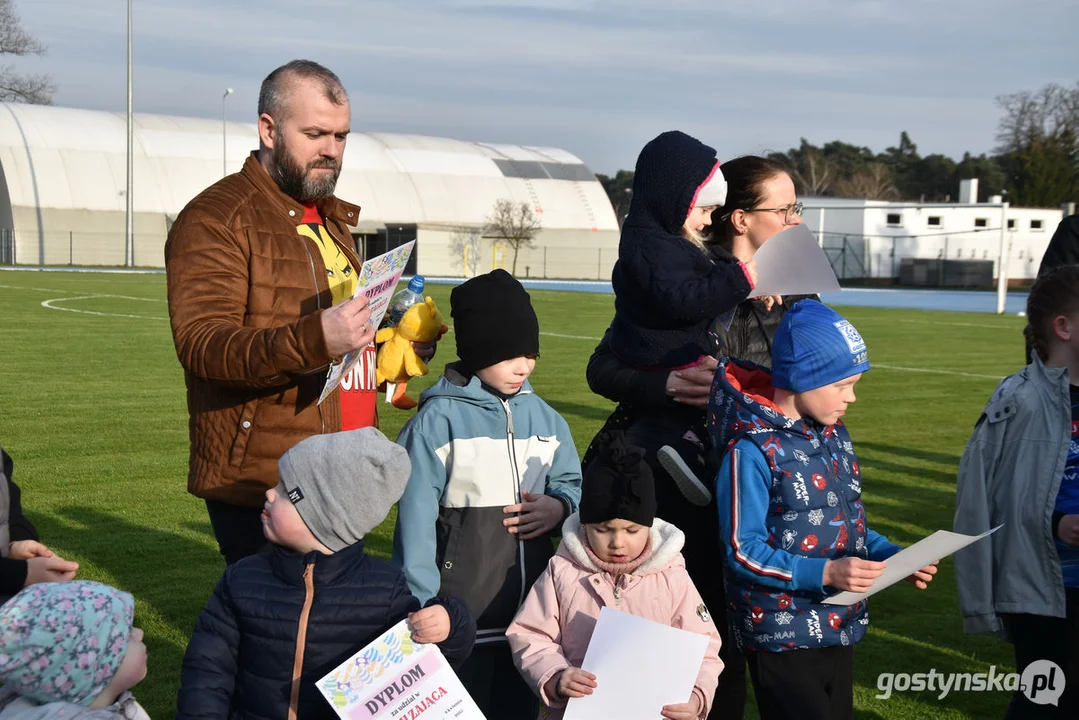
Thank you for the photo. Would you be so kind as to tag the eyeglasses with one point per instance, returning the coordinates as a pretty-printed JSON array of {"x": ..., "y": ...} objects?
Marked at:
[{"x": 789, "y": 211}]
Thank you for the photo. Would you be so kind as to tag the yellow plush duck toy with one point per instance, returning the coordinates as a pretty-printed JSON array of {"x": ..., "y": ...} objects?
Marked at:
[{"x": 397, "y": 361}]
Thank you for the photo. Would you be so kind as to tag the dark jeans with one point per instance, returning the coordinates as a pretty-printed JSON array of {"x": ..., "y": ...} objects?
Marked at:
[
  {"x": 703, "y": 551},
  {"x": 492, "y": 680},
  {"x": 238, "y": 530},
  {"x": 1038, "y": 637},
  {"x": 813, "y": 684}
]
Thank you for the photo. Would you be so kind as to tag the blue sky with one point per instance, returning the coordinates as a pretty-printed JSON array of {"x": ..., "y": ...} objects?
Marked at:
[{"x": 598, "y": 78}]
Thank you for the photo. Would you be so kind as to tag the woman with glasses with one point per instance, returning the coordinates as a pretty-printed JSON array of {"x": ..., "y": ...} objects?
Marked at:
[{"x": 760, "y": 202}]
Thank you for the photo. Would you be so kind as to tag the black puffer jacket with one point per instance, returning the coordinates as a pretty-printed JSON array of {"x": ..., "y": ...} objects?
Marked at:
[
  {"x": 746, "y": 335},
  {"x": 668, "y": 292},
  {"x": 240, "y": 660}
]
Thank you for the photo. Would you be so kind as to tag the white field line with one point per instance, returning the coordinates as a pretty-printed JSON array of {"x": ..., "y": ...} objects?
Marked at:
[{"x": 49, "y": 304}]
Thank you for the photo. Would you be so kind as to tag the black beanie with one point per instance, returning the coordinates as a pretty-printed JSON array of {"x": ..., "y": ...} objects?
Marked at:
[
  {"x": 618, "y": 484},
  {"x": 493, "y": 320}
]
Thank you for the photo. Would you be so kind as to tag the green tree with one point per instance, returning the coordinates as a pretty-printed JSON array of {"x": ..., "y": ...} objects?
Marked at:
[
  {"x": 991, "y": 177},
  {"x": 932, "y": 177},
  {"x": 619, "y": 190},
  {"x": 903, "y": 163}
]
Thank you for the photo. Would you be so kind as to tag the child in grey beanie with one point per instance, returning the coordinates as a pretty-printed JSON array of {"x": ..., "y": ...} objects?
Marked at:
[{"x": 280, "y": 621}]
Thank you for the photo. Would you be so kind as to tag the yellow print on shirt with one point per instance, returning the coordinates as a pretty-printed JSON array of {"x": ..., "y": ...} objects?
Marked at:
[{"x": 340, "y": 274}]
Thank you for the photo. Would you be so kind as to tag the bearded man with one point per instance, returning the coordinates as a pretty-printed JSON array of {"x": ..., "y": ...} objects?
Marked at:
[{"x": 261, "y": 270}]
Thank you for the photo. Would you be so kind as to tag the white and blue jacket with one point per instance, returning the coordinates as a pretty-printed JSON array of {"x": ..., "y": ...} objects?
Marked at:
[{"x": 473, "y": 454}]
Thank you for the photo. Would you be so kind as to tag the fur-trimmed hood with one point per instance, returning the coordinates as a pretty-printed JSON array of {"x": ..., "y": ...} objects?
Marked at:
[{"x": 667, "y": 543}]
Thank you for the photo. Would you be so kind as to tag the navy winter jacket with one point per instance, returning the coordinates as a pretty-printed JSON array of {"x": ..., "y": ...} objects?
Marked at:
[
  {"x": 667, "y": 290},
  {"x": 789, "y": 494},
  {"x": 241, "y": 658}
]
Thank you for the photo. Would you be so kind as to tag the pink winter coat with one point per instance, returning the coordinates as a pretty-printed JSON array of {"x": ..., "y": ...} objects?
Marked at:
[{"x": 552, "y": 629}]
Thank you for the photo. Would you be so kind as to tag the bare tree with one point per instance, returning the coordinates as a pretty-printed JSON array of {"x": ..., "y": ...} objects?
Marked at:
[
  {"x": 1039, "y": 145},
  {"x": 814, "y": 172},
  {"x": 1030, "y": 116},
  {"x": 465, "y": 249},
  {"x": 874, "y": 182},
  {"x": 34, "y": 89},
  {"x": 515, "y": 224}
]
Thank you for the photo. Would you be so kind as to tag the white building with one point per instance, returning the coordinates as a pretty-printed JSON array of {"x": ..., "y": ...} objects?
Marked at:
[
  {"x": 871, "y": 240},
  {"x": 63, "y": 182}
]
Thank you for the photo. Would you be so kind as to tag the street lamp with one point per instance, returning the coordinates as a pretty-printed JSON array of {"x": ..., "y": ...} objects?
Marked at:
[{"x": 224, "y": 140}]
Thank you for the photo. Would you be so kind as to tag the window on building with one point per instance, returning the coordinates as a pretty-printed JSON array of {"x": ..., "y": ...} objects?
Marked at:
[
  {"x": 981, "y": 222},
  {"x": 935, "y": 221},
  {"x": 1011, "y": 224},
  {"x": 895, "y": 220},
  {"x": 959, "y": 253},
  {"x": 1036, "y": 225}
]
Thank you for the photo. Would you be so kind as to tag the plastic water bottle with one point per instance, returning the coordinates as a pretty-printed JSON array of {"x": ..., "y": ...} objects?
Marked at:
[{"x": 403, "y": 300}]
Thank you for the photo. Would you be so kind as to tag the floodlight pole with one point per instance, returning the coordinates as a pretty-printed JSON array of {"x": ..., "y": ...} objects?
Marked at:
[
  {"x": 129, "y": 218},
  {"x": 224, "y": 137},
  {"x": 1002, "y": 262}
]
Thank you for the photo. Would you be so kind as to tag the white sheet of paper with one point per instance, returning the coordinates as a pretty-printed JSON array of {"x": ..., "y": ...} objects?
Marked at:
[
  {"x": 926, "y": 551},
  {"x": 792, "y": 263},
  {"x": 640, "y": 666}
]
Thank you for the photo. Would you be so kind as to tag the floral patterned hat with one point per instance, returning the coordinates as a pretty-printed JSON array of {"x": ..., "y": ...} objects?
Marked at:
[{"x": 64, "y": 641}]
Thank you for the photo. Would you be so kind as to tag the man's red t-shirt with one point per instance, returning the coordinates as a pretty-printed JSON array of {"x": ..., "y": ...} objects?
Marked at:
[
  {"x": 359, "y": 393},
  {"x": 358, "y": 388}
]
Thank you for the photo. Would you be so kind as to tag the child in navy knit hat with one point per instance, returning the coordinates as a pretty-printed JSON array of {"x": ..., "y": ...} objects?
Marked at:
[{"x": 793, "y": 522}]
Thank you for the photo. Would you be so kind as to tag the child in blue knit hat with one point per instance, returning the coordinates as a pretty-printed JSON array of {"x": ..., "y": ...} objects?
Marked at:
[
  {"x": 793, "y": 522},
  {"x": 68, "y": 650}
]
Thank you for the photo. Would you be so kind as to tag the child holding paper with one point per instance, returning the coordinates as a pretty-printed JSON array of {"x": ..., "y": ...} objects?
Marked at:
[
  {"x": 614, "y": 553},
  {"x": 280, "y": 621},
  {"x": 793, "y": 522},
  {"x": 1020, "y": 470},
  {"x": 494, "y": 474}
]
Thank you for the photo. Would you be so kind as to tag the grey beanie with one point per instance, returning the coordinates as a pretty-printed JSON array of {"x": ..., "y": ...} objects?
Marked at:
[{"x": 344, "y": 484}]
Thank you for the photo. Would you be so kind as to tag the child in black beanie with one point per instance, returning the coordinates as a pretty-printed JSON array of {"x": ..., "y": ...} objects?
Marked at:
[
  {"x": 614, "y": 553},
  {"x": 494, "y": 473}
]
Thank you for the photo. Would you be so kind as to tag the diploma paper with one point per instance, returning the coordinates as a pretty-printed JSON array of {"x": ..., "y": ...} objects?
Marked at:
[
  {"x": 640, "y": 666},
  {"x": 395, "y": 678},
  {"x": 792, "y": 263},
  {"x": 378, "y": 279},
  {"x": 905, "y": 563}
]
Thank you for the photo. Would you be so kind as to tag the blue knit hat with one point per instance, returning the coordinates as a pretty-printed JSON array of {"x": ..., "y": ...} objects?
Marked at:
[
  {"x": 64, "y": 641},
  {"x": 813, "y": 347}
]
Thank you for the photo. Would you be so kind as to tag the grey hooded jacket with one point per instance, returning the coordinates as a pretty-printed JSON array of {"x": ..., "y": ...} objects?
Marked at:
[{"x": 1010, "y": 475}]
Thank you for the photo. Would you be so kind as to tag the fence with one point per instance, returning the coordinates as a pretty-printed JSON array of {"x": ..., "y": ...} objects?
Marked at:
[
  {"x": 881, "y": 258},
  {"x": 76, "y": 248}
]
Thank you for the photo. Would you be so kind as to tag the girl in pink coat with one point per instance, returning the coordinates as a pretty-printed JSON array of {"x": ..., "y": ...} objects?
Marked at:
[{"x": 614, "y": 553}]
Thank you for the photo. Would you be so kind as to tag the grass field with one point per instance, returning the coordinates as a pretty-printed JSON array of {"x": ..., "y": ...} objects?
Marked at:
[{"x": 92, "y": 409}]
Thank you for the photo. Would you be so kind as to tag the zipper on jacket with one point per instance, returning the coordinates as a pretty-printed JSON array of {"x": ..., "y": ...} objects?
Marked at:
[
  {"x": 318, "y": 306},
  {"x": 301, "y": 638},
  {"x": 517, "y": 493},
  {"x": 848, "y": 517}
]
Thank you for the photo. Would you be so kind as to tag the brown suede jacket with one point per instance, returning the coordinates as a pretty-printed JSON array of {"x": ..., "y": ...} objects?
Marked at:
[{"x": 246, "y": 294}]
